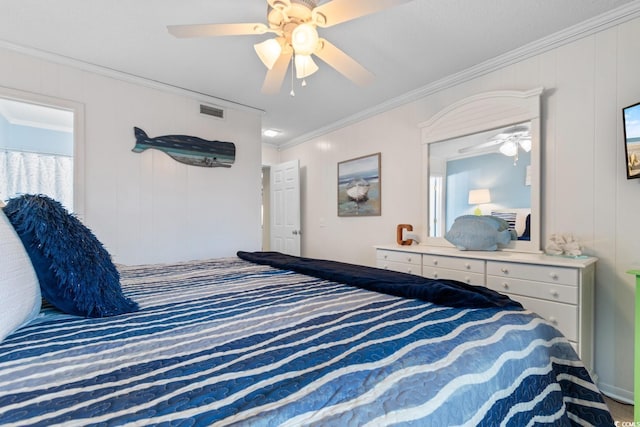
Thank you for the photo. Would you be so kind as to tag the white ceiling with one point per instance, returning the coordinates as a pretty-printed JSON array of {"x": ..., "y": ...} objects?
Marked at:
[{"x": 411, "y": 48}]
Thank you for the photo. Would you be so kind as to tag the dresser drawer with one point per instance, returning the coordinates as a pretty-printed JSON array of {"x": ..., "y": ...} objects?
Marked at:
[
  {"x": 395, "y": 256},
  {"x": 453, "y": 263},
  {"x": 547, "y": 291},
  {"x": 563, "y": 316},
  {"x": 445, "y": 273},
  {"x": 538, "y": 273},
  {"x": 402, "y": 267}
]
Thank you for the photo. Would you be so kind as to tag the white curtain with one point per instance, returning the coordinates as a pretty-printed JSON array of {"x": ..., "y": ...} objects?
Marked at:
[{"x": 36, "y": 173}]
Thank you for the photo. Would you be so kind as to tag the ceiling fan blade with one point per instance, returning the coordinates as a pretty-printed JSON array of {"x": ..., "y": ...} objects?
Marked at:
[
  {"x": 338, "y": 11},
  {"x": 480, "y": 146},
  {"x": 206, "y": 30},
  {"x": 275, "y": 76},
  {"x": 343, "y": 63},
  {"x": 522, "y": 130}
]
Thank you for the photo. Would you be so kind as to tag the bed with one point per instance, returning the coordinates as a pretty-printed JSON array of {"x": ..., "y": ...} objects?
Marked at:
[{"x": 265, "y": 339}]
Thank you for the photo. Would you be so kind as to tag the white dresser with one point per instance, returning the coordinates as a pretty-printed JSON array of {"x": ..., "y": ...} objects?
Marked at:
[{"x": 557, "y": 288}]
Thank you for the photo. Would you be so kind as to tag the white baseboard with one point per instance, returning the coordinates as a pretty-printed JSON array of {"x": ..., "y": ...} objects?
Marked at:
[{"x": 616, "y": 393}]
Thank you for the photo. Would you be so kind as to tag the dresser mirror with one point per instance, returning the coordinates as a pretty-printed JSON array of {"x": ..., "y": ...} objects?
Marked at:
[{"x": 482, "y": 155}]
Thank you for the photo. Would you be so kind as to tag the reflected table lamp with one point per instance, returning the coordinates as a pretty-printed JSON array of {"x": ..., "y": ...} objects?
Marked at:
[{"x": 479, "y": 197}]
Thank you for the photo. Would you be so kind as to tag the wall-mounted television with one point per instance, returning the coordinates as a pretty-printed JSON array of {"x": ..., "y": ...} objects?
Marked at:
[{"x": 631, "y": 125}]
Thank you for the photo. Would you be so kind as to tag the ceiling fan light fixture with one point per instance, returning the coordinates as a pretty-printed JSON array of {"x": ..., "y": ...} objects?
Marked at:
[
  {"x": 305, "y": 66},
  {"x": 525, "y": 143},
  {"x": 268, "y": 51},
  {"x": 304, "y": 39},
  {"x": 509, "y": 148}
]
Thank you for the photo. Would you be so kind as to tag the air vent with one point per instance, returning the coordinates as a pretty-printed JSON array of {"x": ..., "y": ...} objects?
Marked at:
[{"x": 212, "y": 111}]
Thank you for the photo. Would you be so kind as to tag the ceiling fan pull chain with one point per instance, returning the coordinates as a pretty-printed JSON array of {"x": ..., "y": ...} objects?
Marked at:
[
  {"x": 292, "y": 93},
  {"x": 304, "y": 73}
]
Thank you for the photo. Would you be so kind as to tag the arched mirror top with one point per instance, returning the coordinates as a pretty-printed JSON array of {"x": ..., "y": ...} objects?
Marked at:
[{"x": 477, "y": 123}]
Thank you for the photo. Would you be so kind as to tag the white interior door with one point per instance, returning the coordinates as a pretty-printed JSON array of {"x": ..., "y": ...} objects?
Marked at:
[{"x": 285, "y": 208}]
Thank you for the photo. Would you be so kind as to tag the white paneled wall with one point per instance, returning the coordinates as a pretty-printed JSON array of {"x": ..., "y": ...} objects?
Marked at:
[
  {"x": 585, "y": 190},
  {"x": 147, "y": 207}
]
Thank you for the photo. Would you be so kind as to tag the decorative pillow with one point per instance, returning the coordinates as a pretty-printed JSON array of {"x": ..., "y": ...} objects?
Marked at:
[
  {"x": 479, "y": 233},
  {"x": 19, "y": 289},
  {"x": 75, "y": 271}
]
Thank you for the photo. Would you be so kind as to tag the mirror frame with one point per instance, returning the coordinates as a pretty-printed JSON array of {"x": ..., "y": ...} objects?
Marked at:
[{"x": 480, "y": 113}]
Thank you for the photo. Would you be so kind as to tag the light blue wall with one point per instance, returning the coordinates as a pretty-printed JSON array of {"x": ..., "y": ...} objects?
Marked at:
[
  {"x": 26, "y": 138},
  {"x": 505, "y": 181},
  {"x": 3, "y": 130}
]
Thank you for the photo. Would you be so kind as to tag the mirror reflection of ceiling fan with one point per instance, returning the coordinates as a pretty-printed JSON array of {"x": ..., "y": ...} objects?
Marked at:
[
  {"x": 509, "y": 140},
  {"x": 294, "y": 24}
]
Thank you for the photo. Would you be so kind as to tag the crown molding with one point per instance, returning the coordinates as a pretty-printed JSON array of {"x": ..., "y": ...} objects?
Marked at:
[
  {"x": 584, "y": 29},
  {"x": 126, "y": 77},
  {"x": 271, "y": 145}
]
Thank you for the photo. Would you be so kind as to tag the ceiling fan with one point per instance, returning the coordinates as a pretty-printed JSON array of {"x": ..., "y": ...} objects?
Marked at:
[
  {"x": 510, "y": 140},
  {"x": 294, "y": 24}
]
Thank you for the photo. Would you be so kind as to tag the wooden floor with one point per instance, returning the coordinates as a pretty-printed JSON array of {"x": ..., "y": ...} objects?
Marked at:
[{"x": 621, "y": 411}]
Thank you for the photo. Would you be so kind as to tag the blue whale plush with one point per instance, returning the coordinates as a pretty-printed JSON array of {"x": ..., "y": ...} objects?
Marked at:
[{"x": 479, "y": 233}]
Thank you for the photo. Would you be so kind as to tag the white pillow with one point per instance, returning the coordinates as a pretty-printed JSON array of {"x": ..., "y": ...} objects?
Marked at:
[{"x": 19, "y": 288}]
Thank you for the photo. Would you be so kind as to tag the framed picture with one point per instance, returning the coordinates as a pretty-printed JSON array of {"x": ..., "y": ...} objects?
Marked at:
[
  {"x": 359, "y": 186},
  {"x": 631, "y": 125}
]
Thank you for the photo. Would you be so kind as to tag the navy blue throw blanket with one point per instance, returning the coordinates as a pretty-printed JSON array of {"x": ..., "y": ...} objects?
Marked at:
[{"x": 451, "y": 293}]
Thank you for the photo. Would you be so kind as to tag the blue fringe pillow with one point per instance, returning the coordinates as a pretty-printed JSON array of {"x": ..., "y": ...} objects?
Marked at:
[{"x": 75, "y": 271}]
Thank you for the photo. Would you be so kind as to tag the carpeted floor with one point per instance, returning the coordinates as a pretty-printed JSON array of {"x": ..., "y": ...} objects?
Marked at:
[{"x": 620, "y": 411}]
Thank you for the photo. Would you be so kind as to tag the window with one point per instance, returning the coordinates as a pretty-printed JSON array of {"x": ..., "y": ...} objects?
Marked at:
[{"x": 39, "y": 143}]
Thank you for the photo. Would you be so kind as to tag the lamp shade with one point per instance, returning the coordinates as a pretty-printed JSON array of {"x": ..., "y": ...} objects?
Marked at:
[
  {"x": 304, "y": 39},
  {"x": 268, "y": 51},
  {"x": 479, "y": 196},
  {"x": 509, "y": 148},
  {"x": 525, "y": 143},
  {"x": 305, "y": 66}
]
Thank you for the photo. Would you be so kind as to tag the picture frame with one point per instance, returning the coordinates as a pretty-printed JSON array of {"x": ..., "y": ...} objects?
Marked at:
[
  {"x": 631, "y": 127},
  {"x": 359, "y": 186}
]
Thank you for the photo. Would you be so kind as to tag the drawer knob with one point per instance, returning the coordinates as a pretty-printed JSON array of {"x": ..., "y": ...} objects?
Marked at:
[
  {"x": 408, "y": 259},
  {"x": 467, "y": 266},
  {"x": 435, "y": 275},
  {"x": 409, "y": 271},
  {"x": 385, "y": 256},
  {"x": 435, "y": 262},
  {"x": 386, "y": 267},
  {"x": 467, "y": 280},
  {"x": 554, "y": 276},
  {"x": 555, "y": 294},
  {"x": 553, "y": 320},
  {"x": 505, "y": 285},
  {"x": 505, "y": 270}
]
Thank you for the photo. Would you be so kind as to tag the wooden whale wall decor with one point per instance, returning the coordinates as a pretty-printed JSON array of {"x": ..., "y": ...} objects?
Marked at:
[{"x": 190, "y": 150}]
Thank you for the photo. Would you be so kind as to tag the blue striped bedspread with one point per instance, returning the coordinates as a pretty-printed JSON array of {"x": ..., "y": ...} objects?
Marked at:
[{"x": 229, "y": 342}]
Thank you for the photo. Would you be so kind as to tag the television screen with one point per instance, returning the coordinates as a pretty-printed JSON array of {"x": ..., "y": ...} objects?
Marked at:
[{"x": 631, "y": 122}]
